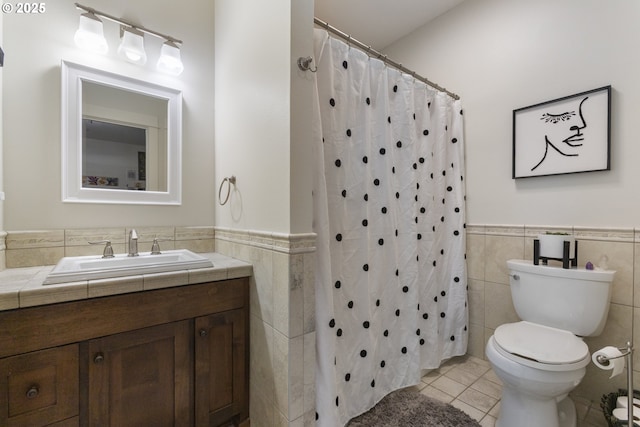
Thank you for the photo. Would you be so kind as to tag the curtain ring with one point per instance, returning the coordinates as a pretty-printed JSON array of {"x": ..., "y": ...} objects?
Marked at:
[{"x": 230, "y": 180}]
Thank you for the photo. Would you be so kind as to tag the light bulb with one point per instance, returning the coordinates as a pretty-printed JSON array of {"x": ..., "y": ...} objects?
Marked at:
[{"x": 133, "y": 56}]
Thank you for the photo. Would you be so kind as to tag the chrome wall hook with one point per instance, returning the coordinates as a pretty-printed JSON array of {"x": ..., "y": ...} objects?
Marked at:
[{"x": 305, "y": 64}]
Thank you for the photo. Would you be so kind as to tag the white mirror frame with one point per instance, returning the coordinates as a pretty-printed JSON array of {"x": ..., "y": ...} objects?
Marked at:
[{"x": 72, "y": 191}]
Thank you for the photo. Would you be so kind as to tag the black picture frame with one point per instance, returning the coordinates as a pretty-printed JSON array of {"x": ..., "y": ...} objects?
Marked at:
[
  {"x": 566, "y": 135},
  {"x": 142, "y": 165}
]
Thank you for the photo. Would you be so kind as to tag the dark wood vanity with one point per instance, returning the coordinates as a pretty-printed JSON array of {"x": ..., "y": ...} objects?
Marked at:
[{"x": 169, "y": 357}]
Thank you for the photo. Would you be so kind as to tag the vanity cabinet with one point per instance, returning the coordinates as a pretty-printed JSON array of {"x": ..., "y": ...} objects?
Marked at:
[
  {"x": 40, "y": 388},
  {"x": 220, "y": 374},
  {"x": 168, "y": 357},
  {"x": 140, "y": 378}
]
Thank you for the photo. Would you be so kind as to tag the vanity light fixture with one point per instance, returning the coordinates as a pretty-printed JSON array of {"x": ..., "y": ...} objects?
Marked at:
[
  {"x": 131, "y": 48},
  {"x": 170, "y": 61},
  {"x": 90, "y": 34}
]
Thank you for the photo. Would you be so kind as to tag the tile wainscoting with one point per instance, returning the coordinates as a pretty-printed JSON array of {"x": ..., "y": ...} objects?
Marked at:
[
  {"x": 45, "y": 247},
  {"x": 283, "y": 306},
  {"x": 282, "y": 371},
  {"x": 490, "y": 305},
  {"x": 3, "y": 250}
]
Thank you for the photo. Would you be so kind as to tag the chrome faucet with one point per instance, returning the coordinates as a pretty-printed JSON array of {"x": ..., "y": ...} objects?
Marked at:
[{"x": 133, "y": 243}]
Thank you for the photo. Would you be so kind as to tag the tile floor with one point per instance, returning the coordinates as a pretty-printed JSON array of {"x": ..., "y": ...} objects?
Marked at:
[{"x": 469, "y": 384}]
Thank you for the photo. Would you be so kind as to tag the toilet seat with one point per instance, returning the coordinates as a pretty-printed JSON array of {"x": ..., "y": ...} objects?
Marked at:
[{"x": 540, "y": 346}]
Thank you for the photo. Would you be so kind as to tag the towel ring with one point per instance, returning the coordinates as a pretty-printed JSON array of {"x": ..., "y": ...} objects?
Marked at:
[{"x": 229, "y": 180}]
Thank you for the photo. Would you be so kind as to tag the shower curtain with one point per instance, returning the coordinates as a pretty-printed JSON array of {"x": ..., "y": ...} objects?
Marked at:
[{"x": 391, "y": 284}]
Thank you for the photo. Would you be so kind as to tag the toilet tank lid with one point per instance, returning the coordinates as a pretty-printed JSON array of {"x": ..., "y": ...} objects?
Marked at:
[
  {"x": 527, "y": 266},
  {"x": 541, "y": 343}
]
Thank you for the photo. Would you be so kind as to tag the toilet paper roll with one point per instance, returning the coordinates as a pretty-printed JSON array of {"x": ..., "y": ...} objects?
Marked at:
[
  {"x": 616, "y": 361},
  {"x": 622, "y": 414},
  {"x": 623, "y": 402}
]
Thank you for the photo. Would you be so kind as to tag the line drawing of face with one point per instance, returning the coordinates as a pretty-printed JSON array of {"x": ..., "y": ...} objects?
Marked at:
[{"x": 563, "y": 132}]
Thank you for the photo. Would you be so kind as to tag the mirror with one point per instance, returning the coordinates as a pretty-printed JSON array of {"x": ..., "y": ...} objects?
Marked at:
[
  {"x": 124, "y": 139},
  {"x": 121, "y": 139}
]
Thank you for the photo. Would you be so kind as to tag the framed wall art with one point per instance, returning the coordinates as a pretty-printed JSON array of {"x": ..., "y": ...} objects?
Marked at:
[{"x": 566, "y": 135}]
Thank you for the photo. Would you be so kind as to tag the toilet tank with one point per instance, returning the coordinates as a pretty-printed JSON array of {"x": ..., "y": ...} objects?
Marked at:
[{"x": 576, "y": 300}]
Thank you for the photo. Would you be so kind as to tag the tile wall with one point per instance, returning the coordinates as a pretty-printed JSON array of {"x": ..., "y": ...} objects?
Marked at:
[
  {"x": 282, "y": 366},
  {"x": 282, "y": 372},
  {"x": 283, "y": 306},
  {"x": 3, "y": 250},
  {"x": 490, "y": 305},
  {"x": 46, "y": 247}
]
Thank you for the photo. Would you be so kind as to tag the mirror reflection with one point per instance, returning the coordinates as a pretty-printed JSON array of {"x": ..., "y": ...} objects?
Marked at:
[
  {"x": 113, "y": 156},
  {"x": 124, "y": 139}
]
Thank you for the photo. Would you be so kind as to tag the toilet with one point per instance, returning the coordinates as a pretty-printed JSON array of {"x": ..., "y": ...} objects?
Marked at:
[{"x": 541, "y": 358}]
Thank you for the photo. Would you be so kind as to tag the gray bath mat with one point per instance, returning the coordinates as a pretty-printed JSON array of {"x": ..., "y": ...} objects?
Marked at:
[{"x": 410, "y": 408}]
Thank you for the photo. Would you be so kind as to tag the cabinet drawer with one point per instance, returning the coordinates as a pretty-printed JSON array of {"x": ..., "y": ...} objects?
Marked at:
[{"x": 39, "y": 388}]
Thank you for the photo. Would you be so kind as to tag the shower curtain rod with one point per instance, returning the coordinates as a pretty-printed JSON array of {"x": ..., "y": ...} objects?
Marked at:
[{"x": 374, "y": 53}]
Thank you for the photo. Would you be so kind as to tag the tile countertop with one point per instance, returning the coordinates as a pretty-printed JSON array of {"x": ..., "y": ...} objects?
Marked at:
[{"x": 22, "y": 287}]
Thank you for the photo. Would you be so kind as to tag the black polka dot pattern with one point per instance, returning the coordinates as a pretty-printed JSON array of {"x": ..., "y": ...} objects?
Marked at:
[{"x": 394, "y": 240}]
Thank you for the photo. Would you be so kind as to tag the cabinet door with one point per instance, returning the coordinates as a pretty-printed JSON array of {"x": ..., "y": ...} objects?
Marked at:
[
  {"x": 222, "y": 392},
  {"x": 40, "y": 388},
  {"x": 141, "y": 378}
]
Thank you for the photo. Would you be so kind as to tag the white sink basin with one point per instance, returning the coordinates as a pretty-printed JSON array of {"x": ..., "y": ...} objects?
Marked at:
[{"x": 73, "y": 269}]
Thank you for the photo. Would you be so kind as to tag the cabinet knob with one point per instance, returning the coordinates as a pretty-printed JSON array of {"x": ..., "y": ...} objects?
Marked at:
[
  {"x": 203, "y": 332},
  {"x": 99, "y": 358},
  {"x": 33, "y": 391}
]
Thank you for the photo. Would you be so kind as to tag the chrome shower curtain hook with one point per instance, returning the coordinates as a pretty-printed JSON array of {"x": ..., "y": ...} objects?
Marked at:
[{"x": 305, "y": 64}]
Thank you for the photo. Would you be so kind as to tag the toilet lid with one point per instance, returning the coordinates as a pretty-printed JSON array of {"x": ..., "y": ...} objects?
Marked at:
[{"x": 541, "y": 343}]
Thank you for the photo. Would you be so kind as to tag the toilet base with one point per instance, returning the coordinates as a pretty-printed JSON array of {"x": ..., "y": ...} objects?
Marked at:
[{"x": 534, "y": 412}]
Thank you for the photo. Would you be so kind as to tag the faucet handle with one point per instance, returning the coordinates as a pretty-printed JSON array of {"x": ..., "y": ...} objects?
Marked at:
[
  {"x": 155, "y": 247},
  {"x": 108, "y": 250}
]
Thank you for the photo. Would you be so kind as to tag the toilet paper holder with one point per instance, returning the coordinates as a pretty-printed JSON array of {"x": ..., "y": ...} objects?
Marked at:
[{"x": 628, "y": 353}]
